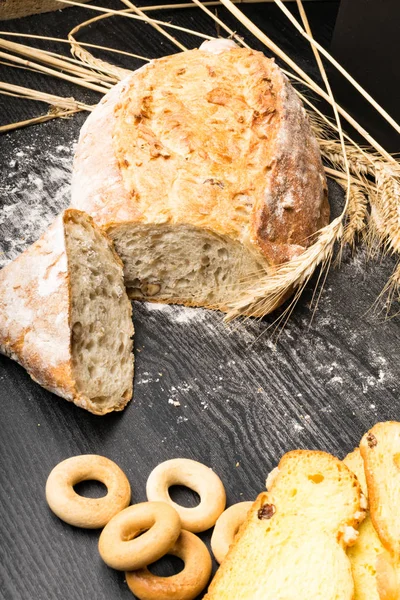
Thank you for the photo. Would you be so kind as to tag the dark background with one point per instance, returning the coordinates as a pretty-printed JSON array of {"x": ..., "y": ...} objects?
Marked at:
[{"x": 231, "y": 396}]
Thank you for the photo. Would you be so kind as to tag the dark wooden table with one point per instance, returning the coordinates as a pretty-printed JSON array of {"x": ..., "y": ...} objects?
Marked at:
[{"x": 228, "y": 396}]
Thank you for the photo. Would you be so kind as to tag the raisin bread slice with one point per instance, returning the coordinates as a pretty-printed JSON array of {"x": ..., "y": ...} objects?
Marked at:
[
  {"x": 365, "y": 553},
  {"x": 380, "y": 450},
  {"x": 66, "y": 318},
  {"x": 292, "y": 546}
]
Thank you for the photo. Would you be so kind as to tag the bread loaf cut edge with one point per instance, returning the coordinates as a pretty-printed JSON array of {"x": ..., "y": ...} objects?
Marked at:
[{"x": 35, "y": 329}]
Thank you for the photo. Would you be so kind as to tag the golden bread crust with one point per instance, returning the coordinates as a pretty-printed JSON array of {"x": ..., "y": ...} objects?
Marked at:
[
  {"x": 35, "y": 313},
  {"x": 380, "y": 449},
  {"x": 216, "y": 141}
]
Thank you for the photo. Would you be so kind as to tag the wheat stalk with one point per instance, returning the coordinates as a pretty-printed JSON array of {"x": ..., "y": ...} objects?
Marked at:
[
  {"x": 385, "y": 210},
  {"x": 316, "y": 46},
  {"x": 272, "y": 289},
  {"x": 127, "y": 14},
  {"x": 87, "y": 58},
  {"x": 64, "y": 41},
  {"x": 252, "y": 28},
  {"x": 54, "y": 113},
  {"x": 392, "y": 290},
  {"x": 370, "y": 175}
]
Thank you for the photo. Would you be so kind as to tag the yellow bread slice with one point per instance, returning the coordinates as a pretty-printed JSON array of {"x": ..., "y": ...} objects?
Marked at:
[
  {"x": 380, "y": 450},
  {"x": 292, "y": 545},
  {"x": 365, "y": 553}
]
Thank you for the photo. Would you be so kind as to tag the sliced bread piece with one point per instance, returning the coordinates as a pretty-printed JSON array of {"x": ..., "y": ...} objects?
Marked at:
[
  {"x": 366, "y": 552},
  {"x": 66, "y": 318},
  {"x": 203, "y": 169},
  {"x": 380, "y": 449},
  {"x": 292, "y": 546}
]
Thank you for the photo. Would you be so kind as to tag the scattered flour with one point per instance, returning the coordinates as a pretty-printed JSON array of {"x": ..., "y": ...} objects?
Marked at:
[
  {"x": 34, "y": 188},
  {"x": 182, "y": 315},
  {"x": 173, "y": 402}
]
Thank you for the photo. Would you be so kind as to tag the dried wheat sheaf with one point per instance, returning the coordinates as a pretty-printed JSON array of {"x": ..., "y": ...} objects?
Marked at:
[{"x": 369, "y": 175}]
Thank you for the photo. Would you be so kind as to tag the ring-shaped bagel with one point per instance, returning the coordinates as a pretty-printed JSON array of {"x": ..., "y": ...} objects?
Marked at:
[
  {"x": 185, "y": 585},
  {"x": 90, "y": 513},
  {"x": 197, "y": 477},
  {"x": 226, "y": 528},
  {"x": 121, "y": 549}
]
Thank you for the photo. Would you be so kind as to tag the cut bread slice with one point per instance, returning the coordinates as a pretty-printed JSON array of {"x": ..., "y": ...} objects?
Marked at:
[
  {"x": 210, "y": 175},
  {"x": 292, "y": 546},
  {"x": 380, "y": 450},
  {"x": 366, "y": 552},
  {"x": 66, "y": 318}
]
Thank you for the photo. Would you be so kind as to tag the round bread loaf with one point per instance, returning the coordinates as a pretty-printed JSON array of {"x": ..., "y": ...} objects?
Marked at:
[{"x": 203, "y": 169}]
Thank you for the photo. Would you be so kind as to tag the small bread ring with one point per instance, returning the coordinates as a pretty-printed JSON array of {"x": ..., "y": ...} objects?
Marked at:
[
  {"x": 90, "y": 513},
  {"x": 117, "y": 544},
  {"x": 198, "y": 477},
  {"x": 227, "y": 527},
  {"x": 187, "y": 584}
]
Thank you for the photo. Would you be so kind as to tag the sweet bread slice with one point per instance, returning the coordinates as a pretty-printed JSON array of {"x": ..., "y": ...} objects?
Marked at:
[
  {"x": 292, "y": 546},
  {"x": 365, "y": 554},
  {"x": 203, "y": 169},
  {"x": 66, "y": 318},
  {"x": 380, "y": 450}
]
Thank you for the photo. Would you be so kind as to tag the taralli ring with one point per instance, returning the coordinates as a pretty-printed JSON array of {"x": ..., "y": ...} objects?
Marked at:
[
  {"x": 227, "y": 527},
  {"x": 90, "y": 513},
  {"x": 197, "y": 477},
  {"x": 187, "y": 584},
  {"x": 121, "y": 549}
]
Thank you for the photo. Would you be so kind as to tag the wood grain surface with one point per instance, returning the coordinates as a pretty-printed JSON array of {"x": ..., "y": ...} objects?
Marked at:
[{"x": 230, "y": 396}]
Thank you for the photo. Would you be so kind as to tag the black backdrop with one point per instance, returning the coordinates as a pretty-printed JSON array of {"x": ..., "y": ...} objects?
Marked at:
[{"x": 229, "y": 396}]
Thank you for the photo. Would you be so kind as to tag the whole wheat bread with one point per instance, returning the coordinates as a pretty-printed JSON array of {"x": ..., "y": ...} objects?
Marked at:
[
  {"x": 292, "y": 546},
  {"x": 66, "y": 318},
  {"x": 203, "y": 169}
]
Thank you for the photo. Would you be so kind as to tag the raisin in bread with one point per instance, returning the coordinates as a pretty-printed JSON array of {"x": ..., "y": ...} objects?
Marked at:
[
  {"x": 380, "y": 450},
  {"x": 293, "y": 544}
]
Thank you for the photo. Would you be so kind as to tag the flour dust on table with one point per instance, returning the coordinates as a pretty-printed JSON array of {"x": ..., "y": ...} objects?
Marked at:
[{"x": 34, "y": 188}]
